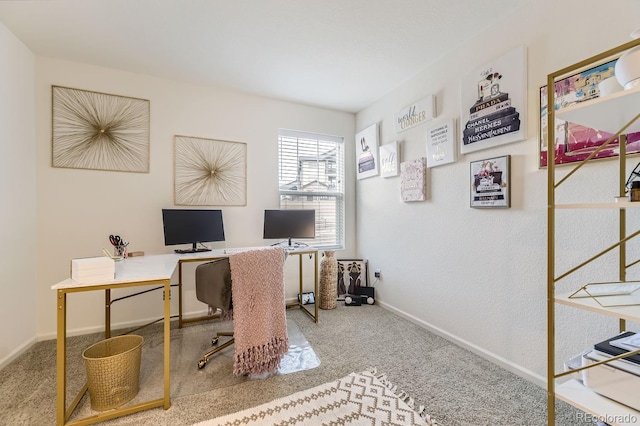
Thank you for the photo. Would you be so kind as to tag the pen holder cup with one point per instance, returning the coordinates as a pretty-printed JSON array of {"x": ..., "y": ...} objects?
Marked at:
[{"x": 119, "y": 252}]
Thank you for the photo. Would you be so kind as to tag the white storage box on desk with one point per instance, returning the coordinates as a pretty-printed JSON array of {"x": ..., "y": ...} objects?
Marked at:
[
  {"x": 93, "y": 269},
  {"x": 618, "y": 380}
]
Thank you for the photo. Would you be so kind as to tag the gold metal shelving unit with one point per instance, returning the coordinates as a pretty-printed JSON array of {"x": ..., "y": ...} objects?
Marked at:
[{"x": 617, "y": 114}]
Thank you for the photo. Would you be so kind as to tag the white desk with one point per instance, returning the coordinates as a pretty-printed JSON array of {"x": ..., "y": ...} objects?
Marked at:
[
  {"x": 132, "y": 272},
  {"x": 150, "y": 270}
]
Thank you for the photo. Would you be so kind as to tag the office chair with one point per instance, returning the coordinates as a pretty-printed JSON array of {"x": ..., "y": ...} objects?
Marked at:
[
  {"x": 213, "y": 287},
  {"x": 255, "y": 279}
]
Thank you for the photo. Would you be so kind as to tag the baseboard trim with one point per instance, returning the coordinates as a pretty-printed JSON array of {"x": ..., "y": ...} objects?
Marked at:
[
  {"x": 490, "y": 356},
  {"x": 17, "y": 352}
]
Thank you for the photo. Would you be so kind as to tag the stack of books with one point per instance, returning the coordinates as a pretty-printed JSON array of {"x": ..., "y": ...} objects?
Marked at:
[{"x": 618, "y": 380}]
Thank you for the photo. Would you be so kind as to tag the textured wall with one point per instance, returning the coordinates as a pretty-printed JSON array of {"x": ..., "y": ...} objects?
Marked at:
[{"x": 479, "y": 276}]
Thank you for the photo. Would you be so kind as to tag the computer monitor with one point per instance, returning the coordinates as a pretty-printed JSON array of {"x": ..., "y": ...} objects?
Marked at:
[
  {"x": 288, "y": 224},
  {"x": 186, "y": 226}
]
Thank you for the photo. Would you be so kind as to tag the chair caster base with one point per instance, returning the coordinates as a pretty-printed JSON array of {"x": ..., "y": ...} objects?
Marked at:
[
  {"x": 201, "y": 364},
  {"x": 214, "y": 341}
]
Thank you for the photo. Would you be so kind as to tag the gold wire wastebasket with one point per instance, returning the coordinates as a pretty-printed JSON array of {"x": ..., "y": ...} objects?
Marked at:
[{"x": 113, "y": 371}]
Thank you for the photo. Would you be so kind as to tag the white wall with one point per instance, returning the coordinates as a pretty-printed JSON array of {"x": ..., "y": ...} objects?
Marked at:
[
  {"x": 18, "y": 251},
  {"x": 479, "y": 275},
  {"x": 78, "y": 209}
]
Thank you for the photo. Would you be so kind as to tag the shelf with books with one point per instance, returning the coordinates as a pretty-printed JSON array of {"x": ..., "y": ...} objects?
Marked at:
[{"x": 617, "y": 113}]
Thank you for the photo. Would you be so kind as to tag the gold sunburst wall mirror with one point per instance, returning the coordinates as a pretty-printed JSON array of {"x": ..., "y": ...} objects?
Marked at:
[
  {"x": 210, "y": 172},
  {"x": 98, "y": 131}
]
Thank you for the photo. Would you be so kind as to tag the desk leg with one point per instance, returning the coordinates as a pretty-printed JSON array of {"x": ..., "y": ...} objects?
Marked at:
[
  {"x": 315, "y": 284},
  {"x": 107, "y": 313},
  {"x": 167, "y": 348},
  {"x": 61, "y": 358},
  {"x": 179, "y": 294},
  {"x": 301, "y": 279}
]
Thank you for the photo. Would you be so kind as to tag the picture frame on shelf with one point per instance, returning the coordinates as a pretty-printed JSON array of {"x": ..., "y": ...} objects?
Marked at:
[
  {"x": 490, "y": 183},
  {"x": 574, "y": 142},
  {"x": 493, "y": 100},
  {"x": 352, "y": 273}
]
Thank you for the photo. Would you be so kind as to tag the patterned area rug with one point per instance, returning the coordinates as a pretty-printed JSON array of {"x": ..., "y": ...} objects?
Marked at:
[{"x": 365, "y": 398}]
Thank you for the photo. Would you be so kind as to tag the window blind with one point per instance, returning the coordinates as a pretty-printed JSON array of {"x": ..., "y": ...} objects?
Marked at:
[{"x": 311, "y": 176}]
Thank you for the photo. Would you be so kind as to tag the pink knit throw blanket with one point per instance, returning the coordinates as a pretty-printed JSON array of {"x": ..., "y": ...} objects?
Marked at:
[{"x": 259, "y": 317}]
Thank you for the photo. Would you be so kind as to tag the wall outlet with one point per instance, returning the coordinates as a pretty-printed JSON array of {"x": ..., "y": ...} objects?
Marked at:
[{"x": 377, "y": 273}]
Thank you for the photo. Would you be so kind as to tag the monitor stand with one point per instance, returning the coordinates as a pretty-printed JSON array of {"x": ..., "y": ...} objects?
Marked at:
[
  {"x": 193, "y": 249},
  {"x": 289, "y": 244}
]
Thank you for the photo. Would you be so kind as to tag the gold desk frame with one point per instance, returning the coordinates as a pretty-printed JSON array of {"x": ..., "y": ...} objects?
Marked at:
[
  {"x": 311, "y": 252},
  {"x": 62, "y": 412}
]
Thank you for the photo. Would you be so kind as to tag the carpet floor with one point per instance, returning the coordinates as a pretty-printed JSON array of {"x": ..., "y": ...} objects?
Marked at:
[{"x": 429, "y": 368}]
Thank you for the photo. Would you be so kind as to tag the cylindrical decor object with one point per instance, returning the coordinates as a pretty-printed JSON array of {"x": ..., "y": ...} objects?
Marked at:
[{"x": 328, "y": 280}]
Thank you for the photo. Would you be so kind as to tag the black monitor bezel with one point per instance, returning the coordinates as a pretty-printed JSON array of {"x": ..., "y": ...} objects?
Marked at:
[
  {"x": 214, "y": 234},
  {"x": 278, "y": 224}
]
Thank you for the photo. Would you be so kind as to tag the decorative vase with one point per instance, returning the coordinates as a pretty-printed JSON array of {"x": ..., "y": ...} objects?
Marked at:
[
  {"x": 328, "y": 280},
  {"x": 627, "y": 69}
]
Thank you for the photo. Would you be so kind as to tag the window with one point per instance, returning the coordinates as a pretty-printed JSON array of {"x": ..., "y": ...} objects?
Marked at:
[{"x": 311, "y": 176}]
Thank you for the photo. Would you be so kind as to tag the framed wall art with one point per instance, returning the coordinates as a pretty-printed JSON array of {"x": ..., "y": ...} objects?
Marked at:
[
  {"x": 494, "y": 103},
  {"x": 574, "y": 142},
  {"x": 441, "y": 143},
  {"x": 98, "y": 131},
  {"x": 413, "y": 180},
  {"x": 210, "y": 172},
  {"x": 490, "y": 186},
  {"x": 389, "y": 160},
  {"x": 352, "y": 273},
  {"x": 367, "y": 152},
  {"x": 415, "y": 114}
]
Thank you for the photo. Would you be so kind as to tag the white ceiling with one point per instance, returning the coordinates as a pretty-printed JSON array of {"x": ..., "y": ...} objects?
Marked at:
[{"x": 338, "y": 54}]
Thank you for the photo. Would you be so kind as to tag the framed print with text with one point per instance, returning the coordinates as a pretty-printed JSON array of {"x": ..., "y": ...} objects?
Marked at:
[
  {"x": 389, "y": 160},
  {"x": 441, "y": 143},
  {"x": 493, "y": 99}
]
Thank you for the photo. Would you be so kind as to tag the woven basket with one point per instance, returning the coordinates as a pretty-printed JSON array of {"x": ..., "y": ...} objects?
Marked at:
[
  {"x": 113, "y": 371},
  {"x": 328, "y": 281}
]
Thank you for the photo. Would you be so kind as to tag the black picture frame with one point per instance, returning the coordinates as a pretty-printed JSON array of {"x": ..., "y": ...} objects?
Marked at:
[{"x": 351, "y": 273}]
